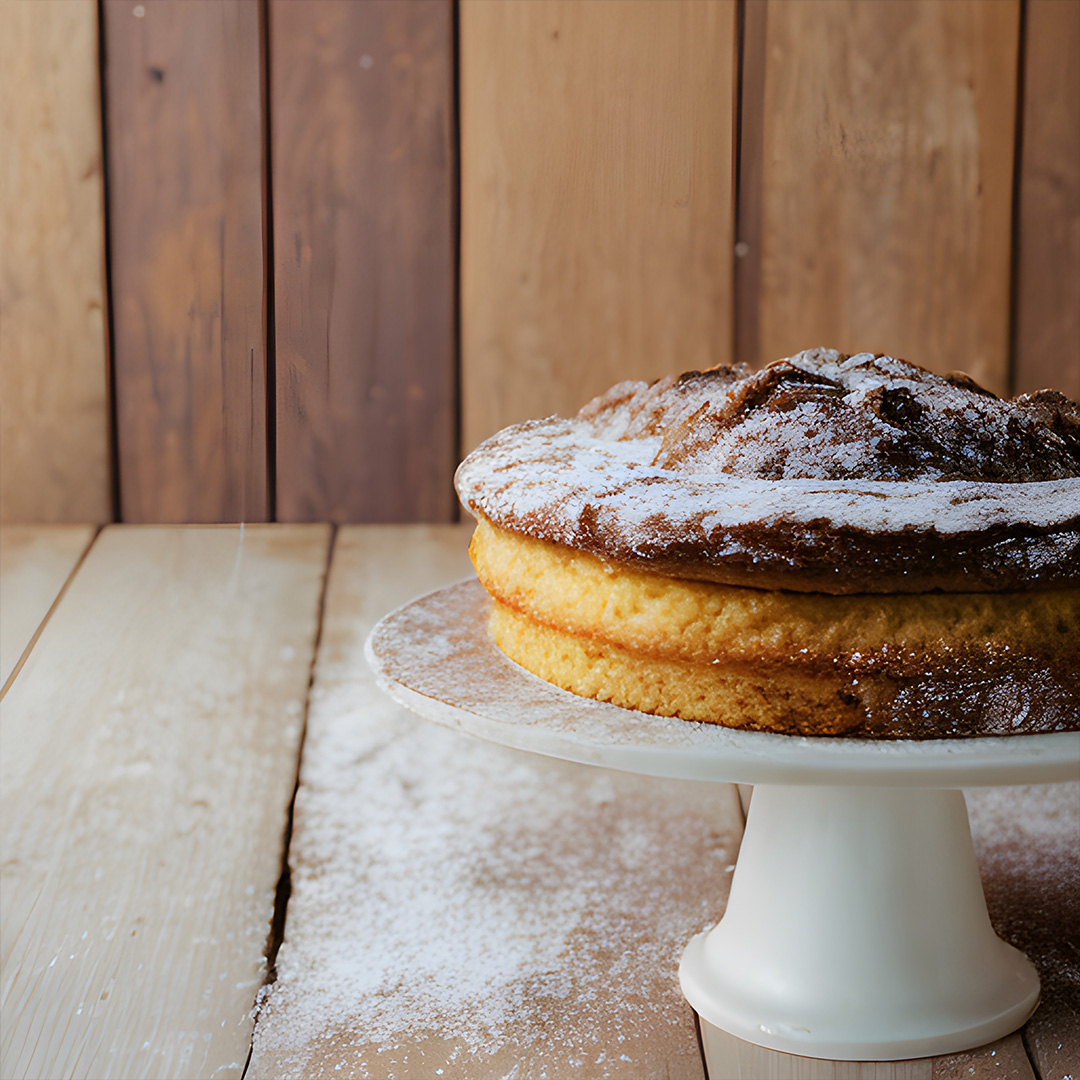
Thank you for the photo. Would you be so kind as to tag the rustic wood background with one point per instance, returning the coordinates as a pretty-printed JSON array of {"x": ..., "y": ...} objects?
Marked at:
[{"x": 273, "y": 260}]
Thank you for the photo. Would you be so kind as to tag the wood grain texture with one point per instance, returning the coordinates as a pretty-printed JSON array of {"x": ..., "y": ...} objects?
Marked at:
[
  {"x": 364, "y": 211},
  {"x": 887, "y": 181},
  {"x": 518, "y": 913},
  {"x": 730, "y": 1058},
  {"x": 748, "y": 224},
  {"x": 1005, "y": 1059},
  {"x": 35, "y": 562},
  {"x": 1048, "y": 239},
  {"x": 54, "y": 424},
  {"x": 186, "y": 156},
  {"x": 1027, "y": 840},
  {"x": 150, "y": 750},
  {"x": 733, "y": 1059},
  {"x": 597, "y": 199}
]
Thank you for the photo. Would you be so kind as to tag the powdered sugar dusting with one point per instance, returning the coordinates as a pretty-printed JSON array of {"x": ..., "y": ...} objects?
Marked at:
[
  {"x": 453, "y": 891},
  {"x": 822, "y": 415},
  {"x": 619, "y": 480},
  {"x": 461, "y": 907},
  {"x": 716, "y": 463},
  {"x": 1028, "y": 845}
]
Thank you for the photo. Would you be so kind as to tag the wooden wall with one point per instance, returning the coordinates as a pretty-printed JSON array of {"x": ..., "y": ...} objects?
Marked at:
[
  {"x": 597, "y": 166},
  {"x": 54, "y": 400},
  {"x": 338, "y": 244},
  {"x": 887, "y": 147},
  {"x": 361, "y": 105},
  {"x": 183, "y": 101}
]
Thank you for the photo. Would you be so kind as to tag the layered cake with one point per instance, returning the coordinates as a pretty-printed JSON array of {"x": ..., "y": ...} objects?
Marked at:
[{"x": 833, "y": 545}]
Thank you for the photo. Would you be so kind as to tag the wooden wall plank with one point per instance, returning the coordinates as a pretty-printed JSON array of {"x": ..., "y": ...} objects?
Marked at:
[
  {"x": 54, "y": 425},
  {"x": 597, "y": 199},
  {"x": 150, "y": 750},
  {"x": 186, "y": 163},
  {"x": 364, "y": 210},
  {"x": 1048, "y": 241},
  {"x": 35, "y": 562},
  {"x": 751, "y": 127},
  {"x": 887, "y": 181},
  {"x": 461, "y": 910}
]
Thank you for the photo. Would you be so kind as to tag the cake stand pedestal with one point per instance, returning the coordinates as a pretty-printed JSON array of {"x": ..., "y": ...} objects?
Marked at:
[{"x": 856, "y": 927}]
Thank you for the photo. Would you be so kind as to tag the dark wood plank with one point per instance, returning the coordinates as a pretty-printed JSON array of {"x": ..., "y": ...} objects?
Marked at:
[
  {"x": 1048, "y": 240},
  {"x": 363, "y": 203},
  {"x": 887, "y": 180},
  {"x": 186, "y": 157}
]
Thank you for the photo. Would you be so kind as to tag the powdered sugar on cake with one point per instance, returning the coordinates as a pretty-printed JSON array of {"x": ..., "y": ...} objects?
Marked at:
[
  {"x": 811, "y": 445},
  {"x": 553, "y": 464}
]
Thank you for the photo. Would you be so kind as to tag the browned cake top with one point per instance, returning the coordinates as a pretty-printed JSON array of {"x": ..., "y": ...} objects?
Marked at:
[{"x": 822, "y": 472}]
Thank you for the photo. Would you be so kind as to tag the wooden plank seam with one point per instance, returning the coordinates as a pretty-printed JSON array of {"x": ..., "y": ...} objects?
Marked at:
[
  {"x": 269, "y": 312},
  {"x": 106, "y": 269},
  {"x": 48, "y": 615},
  {"x": 284, "y": 885}
]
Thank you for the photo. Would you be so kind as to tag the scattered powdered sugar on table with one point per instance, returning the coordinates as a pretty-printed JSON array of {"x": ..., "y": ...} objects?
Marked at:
[
  {"x": 1027, "y": 841},
  {"x": 456, "y": 903},
  {"x": 462, "y": 910}
]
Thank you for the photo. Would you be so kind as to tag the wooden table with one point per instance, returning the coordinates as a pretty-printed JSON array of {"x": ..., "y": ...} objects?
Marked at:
[{"x": 184, "y": 707}]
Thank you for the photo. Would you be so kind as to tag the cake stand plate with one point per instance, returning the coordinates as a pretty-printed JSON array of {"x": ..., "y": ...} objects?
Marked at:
[{"x": 855, "y": 928}]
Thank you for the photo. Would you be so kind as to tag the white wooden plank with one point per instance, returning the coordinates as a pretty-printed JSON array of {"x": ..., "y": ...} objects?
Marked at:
[
  {"x": 150, "y": 747},
  {"x": 462, "y": 910},
  {"x": 35, "y": 561}
]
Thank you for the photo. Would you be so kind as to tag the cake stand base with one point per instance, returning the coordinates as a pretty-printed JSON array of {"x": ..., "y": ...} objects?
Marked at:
[{"x": 856, "y": 930}]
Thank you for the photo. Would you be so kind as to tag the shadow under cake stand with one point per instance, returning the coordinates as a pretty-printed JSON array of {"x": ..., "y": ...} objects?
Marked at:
[{"x": 856, "y": 927}]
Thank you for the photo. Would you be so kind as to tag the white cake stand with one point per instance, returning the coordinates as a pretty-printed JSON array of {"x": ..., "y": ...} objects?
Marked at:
[{"x": 856, "y": 927}]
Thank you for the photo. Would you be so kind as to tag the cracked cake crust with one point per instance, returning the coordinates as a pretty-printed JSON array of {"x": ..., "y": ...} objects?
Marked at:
[{"x": 820, "y": 473}]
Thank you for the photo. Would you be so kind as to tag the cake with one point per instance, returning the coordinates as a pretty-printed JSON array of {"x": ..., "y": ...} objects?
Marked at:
[{"x": 834, "y": 545}]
